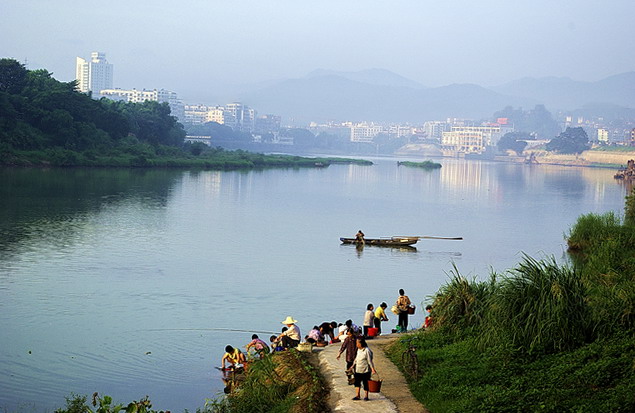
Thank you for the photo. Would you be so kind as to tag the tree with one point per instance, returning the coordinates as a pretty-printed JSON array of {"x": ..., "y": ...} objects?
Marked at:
[
  {"x": 12, "y": 76},
  {"x": 514, "y": 141},
  {"x": 572, "y": 140},
  {"x": 537, "y": 121}
]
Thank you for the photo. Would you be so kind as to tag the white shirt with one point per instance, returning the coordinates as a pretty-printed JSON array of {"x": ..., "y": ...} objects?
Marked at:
[
  {"x": 363, "y": 360},
  {"x": 368, "y": 318},
  {"x": 293, "y": 332}
]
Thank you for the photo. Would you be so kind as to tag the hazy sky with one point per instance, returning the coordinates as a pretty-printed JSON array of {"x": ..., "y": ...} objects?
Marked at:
[{"x": 195, "y": 47}]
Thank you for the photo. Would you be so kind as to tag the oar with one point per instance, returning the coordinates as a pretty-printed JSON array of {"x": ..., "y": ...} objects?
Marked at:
[{"x": 429, "y": 237}]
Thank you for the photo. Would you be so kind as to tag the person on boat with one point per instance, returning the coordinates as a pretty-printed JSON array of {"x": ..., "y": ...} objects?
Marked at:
[
  {"x": 380, "y": 315},
  {"x": 369, "y": 315},
  {"x": 291, "y": 337},
  {"x": 403, "y": 303},
  {"x": 258, "y": 345},
  {"x": 363, "y": 367},
  {"x": 359, "y": 238},
  {"x": 349, "y": 345},
  {"x": 232, "y": 359}
]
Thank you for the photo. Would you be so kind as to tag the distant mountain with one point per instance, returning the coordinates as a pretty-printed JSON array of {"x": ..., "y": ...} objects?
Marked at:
[
  {"x": 384, "y": 96},
  {"x": 379, "y": 77},
  {"x": 564, "y": 93},
  {"x": 326, "y": 96}
]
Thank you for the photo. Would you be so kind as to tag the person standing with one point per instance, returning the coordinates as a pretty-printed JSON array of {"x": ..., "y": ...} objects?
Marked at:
[
  {"x": 369, "y": 315},
  {"x": 403, "y": 303},
  {"x": 349, "y": 344},
  {"x": 363, "y": 367},
  {"x": 380, "y": 315}
]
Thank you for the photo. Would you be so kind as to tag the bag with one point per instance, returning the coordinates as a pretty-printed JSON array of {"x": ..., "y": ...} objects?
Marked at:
[
  {"x": 411, "y": 309},
  {"x": 394, "y": 309}
]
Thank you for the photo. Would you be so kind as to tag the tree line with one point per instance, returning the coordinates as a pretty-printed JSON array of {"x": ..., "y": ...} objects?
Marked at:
[{"x": 40, "y": 113}]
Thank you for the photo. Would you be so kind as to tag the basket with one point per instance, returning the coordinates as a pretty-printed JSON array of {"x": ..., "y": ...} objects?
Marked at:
[
  {"x": 305, "y": 347},
  {"x": 374, "y": 386},
  {"x": 411, "y": 309}
]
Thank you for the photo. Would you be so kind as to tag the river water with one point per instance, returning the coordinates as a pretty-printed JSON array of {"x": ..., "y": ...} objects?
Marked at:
[{"x": 131, "y": 282}]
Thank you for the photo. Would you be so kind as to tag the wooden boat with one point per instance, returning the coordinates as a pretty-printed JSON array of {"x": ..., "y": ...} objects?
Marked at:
[{"x": 382, "y": 242}]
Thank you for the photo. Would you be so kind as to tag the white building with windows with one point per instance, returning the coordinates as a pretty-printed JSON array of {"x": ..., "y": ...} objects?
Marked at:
[
  {"x": 94, "y": 74},
  {"x": 473, "y": 139},
  {"x": 155, "y": 95},
  {"x": 365, "y": 132}
]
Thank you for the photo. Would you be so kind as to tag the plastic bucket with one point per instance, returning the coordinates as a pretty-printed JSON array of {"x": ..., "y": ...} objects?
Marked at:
[
  {"x": 411, "y": 310},
  {"x": 373, "y": 331},
  {"x": 374, "y": 386}
]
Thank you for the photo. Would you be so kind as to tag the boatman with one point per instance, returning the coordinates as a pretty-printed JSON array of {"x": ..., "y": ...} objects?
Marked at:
[{"x": 359, "y": 237}]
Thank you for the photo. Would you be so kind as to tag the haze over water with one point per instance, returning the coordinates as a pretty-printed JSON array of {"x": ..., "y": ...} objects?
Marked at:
[{"x": 131, "y": 282}]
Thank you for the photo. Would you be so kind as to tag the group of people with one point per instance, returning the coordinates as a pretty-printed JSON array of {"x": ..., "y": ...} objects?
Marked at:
[{"x": 359, "y": 358}]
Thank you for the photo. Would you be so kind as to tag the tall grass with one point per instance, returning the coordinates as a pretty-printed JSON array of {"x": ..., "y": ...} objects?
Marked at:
[
  {"x": 460, "y": 303},
  {"x": 538, "y": 307}
]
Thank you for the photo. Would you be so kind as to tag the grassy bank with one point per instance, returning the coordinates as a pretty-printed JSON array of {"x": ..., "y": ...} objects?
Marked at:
[
  {"x": 147, "y": 156},
  {"x": 281, "y": 382},
  {"x": 540, "y": 337}
]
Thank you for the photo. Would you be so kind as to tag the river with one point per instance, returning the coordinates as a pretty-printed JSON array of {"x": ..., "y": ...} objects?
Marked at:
[{"x": 131, "y": 282}]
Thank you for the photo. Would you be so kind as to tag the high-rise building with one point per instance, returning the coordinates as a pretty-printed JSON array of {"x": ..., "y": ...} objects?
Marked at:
[{"x": 94, "y": 75}]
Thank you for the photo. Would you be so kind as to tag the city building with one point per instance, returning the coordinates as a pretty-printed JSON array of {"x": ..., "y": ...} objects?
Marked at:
[
  {"x": 603, "y": 136},
  {"x": 93, "y": 75},
  {"x": 138, "y": 96},
  {"x": 433, "y": 130},
  {"x": 365, "y": 132},
  {"x": 239, "y": 117},
  {"x": 267, "y": 124},
  {"x": 473, "y": 139}
]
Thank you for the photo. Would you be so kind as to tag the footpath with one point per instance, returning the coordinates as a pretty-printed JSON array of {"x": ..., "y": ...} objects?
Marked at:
[{"x": 395, "y": 395}]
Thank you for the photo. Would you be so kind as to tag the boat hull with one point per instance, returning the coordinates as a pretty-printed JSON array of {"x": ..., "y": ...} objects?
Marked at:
[{"x": 382, "y": 242}]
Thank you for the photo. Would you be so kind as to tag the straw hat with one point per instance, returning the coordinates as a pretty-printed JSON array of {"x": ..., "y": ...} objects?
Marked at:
[{"x": 289, "y": 320}]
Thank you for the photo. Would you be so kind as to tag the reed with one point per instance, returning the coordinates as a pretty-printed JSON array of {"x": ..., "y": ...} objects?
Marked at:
[
  {"x": 460, "y": 303},
  {"x": 538, "y": 307}
]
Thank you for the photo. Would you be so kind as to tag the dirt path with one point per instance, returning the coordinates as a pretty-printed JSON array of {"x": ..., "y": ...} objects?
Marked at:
[{"x": 395, "y": 395}]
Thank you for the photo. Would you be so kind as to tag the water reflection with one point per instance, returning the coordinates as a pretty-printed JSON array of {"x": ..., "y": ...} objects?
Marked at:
[{"x": 38, "y": 203}]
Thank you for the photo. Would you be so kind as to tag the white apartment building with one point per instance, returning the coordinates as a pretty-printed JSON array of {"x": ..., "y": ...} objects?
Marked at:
[
  {"x": 364, "y": 132},
  {"x": 473, "y": 139},
  {"x": 603, "y": 135},
  {"x": 434, "y": 129},
  {"x": 399, "y": 131},
  {"x": 94, "y": 75},
  {"x": 155, "y": 95},
  {"x": 240, "y": 117}
]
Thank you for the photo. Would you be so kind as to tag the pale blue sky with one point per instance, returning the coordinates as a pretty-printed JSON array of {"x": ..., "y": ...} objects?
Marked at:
[{"x": 192, "y": 46}]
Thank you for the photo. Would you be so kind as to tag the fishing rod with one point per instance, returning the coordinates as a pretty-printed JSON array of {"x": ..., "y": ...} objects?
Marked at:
[{"x": 209, "y": 329}]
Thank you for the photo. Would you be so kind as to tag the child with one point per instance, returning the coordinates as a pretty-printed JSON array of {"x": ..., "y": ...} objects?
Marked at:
[{"x": 258, "y": 345}]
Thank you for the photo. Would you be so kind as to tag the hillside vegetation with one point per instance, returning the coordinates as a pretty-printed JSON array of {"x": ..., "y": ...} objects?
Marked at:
[
  {"x": 44, "y": 122},
  {"x": 541, "y": 337}
]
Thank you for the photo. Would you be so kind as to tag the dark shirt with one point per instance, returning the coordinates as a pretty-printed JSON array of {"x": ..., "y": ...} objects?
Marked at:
[{"x": 350, "y": 345}]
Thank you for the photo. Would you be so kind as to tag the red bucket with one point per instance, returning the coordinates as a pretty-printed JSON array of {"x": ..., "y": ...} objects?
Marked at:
[
  {"x": 374, "y": 386},
  {"x": 373, "y": 331}
]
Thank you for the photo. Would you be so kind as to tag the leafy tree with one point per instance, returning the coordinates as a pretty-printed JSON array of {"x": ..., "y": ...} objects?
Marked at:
[
  {"x": 538, "y": 121},
  {"x": 301, "y": 137},
  {"x": 572, "y": 140},
  {"x": 12, "y": 76},
  {"x": 514, "y": 141}
]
